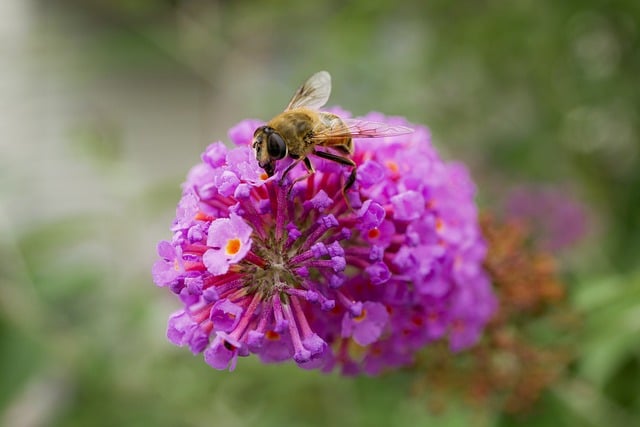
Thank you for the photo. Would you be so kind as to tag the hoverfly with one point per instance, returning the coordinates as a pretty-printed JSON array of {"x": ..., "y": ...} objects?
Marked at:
[{"x": 301, "y": 128}]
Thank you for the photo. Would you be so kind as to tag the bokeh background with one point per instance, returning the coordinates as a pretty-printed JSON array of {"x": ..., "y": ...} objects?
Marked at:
[{"x": 106, "y": 104}]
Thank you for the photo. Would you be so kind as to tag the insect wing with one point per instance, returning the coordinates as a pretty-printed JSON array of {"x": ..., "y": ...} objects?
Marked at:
[
  {"x": 355, "y": 128},
  {"x": 313, "y": 93}
]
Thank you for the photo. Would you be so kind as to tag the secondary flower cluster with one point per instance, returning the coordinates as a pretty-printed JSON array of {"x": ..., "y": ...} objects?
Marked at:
[
  {"x": 513, "y": 365},
  {"x": 300, "y": 272}
]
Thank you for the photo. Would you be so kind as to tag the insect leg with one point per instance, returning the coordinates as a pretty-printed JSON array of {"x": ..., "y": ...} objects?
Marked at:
[
  {"x": 350, "y": 181},
  {"x": 335, "y": 158},
  {"x": 310, "y": 170},
  {"x": 288, "y": 169},
  {"x": 308, "y": 165},
  {"x": 342, "y": 160}
]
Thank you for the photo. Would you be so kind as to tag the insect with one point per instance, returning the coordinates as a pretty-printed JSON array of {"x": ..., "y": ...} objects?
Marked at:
[{"x": 301, "y": 129}]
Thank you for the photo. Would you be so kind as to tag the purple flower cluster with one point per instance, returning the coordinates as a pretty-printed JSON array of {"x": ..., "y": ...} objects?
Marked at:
[
  {"x": 302, "y": 273},
  {"x": 557, "y": 218}
]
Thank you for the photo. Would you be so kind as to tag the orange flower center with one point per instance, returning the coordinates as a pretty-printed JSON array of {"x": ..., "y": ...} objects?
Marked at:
[
  {"x": 393, "y": 166},
  {"x": 272, "y": 335},
  {"x": 201, "y": 216},
  {"x": 374, "y": 233},
  {"x": 417, "y": 320},
  {"x": 233, "y": 246},
  {"x": 361, "y": 317}
]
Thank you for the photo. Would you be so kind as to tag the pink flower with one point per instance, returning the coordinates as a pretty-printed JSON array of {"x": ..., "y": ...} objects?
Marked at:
[
  {"x": 366, "y": 327},
  {"x": 299, "y": 274},
  {"x": 229, "y": 240}
]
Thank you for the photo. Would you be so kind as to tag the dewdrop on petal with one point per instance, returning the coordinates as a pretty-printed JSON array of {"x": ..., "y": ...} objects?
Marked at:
[{"x": 300, "y": 274}]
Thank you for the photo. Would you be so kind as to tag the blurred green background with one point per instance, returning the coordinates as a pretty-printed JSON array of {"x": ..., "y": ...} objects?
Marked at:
[{"x": 106, "y": 104}]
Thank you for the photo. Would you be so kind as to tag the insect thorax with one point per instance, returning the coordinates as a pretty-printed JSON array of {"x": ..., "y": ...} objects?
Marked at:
[{"x": 295, "y": 127}]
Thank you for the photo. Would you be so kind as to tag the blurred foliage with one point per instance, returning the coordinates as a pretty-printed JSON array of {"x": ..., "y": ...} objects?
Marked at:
[{"x": 117, "y": 98}]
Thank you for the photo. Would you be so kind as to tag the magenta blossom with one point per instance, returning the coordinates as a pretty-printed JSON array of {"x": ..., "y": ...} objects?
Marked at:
[
  {"x": 229, "y": 240},
  {"x": 304, "y": 274},
  {"x": 558, "y": 219}
]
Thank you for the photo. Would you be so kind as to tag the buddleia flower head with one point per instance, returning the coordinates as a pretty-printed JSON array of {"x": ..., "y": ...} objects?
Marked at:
[{"x": 301, "y": 272}]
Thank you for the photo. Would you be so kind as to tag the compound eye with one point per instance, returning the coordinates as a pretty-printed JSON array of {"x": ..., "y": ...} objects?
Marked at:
[{"x": 276, "y": 146}]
